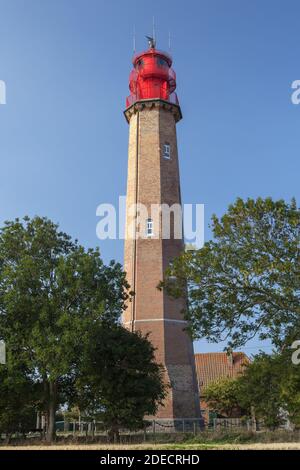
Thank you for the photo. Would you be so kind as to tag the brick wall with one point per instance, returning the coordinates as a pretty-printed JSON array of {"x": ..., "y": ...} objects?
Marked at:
[{"x": 155, "y": 180}]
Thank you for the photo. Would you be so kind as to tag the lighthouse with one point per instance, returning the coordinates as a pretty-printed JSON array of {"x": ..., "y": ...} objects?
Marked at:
[{"x": 152, "y": 112}]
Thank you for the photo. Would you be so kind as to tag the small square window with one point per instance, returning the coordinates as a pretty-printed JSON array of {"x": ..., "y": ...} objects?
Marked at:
[
  {"x": 167, "y": 151},
  {"x": 149, "y": 228}
]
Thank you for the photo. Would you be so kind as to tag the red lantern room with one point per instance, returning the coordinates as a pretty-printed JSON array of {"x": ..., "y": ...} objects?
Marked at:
[{"x": 152, "y": 77}]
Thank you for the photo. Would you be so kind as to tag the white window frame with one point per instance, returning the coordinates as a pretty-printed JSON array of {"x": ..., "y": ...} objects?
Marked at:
[
  {"x": 167, "y": 151},
  {"x": 149, "y": 227}
]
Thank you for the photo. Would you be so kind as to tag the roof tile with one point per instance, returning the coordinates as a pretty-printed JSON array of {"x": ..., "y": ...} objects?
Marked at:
[{"x": 211, "y": 367}]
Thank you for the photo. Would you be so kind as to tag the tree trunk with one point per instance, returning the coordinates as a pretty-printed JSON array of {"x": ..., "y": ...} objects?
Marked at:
[
  {"x": 8, "y": 438},
  {"x": 114, "y": 435},
  {"x": 253, "y": 420},
  {"x": 51, "y": 431}
]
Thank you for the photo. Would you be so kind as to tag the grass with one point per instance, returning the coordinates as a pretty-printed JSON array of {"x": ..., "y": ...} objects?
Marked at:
[
  {"x": 222, "y": 440},
  {"x": 182, "y": 446}
]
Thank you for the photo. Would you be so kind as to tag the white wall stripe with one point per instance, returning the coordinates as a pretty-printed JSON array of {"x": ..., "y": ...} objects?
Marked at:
[{"x": 155, "y": 319}]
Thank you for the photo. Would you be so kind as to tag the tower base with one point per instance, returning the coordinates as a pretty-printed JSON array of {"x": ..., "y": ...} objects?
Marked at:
[{"x": 175, "y": 425}]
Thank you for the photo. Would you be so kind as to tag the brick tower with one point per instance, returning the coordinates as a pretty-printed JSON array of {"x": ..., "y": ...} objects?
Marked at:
[{"x": 152, "y": 111}]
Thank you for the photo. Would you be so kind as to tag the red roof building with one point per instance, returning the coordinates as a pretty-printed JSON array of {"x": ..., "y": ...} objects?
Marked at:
[{"x": 211, "y": 367}]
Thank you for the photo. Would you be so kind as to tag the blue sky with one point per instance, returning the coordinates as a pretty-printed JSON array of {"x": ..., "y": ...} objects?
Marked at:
[{"x": 63, "y": 136}]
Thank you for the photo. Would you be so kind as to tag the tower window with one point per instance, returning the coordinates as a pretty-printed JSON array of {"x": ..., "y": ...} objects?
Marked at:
[
  {"x": 149, "y": 228},
  {"x": 140, "y": 63},
  {"x": 167, "y": 151},
  {"x": 161, "y": 62}
]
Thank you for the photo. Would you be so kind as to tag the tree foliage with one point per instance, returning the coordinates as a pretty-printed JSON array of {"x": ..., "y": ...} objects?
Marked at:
[
  {"x": 18, "y": 399},
  {"x": 260, "y": 389},
  {"x": 246, "y": 281},
  {"x": 224, "y": 397},
  {"x": 53, "y": 293},
  {"x": 268, "y": 389},
  {"x": 119, "y": 381}
]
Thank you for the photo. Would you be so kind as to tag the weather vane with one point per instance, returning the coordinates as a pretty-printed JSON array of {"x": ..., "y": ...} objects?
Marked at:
[{"x": 151, "y": 42}]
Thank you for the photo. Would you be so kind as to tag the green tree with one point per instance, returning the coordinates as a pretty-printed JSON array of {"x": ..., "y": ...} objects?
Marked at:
[
  {"x": 290, "y": 393},
  {"x": 53, "y": 293},
  {"x": 246, "y": 281},
  {"x": 224, "y": 397},
  {"x": 120, "y": 382},
  {"x": 18, "y": 399},
  {"x": 289, "y": 384},
  {"x": 266, "y": 390},
  {"x": 260, "y": 389}
]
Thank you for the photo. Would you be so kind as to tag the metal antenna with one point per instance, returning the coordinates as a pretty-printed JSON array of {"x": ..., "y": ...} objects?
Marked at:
[
  {"x": 134, "y": 44},
  {"x": 153, "y": 29},
  {"x": 169, "y": 40}
]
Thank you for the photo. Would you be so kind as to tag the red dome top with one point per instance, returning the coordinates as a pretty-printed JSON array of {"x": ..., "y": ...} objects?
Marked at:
[{"x": 152, "y": 77}]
